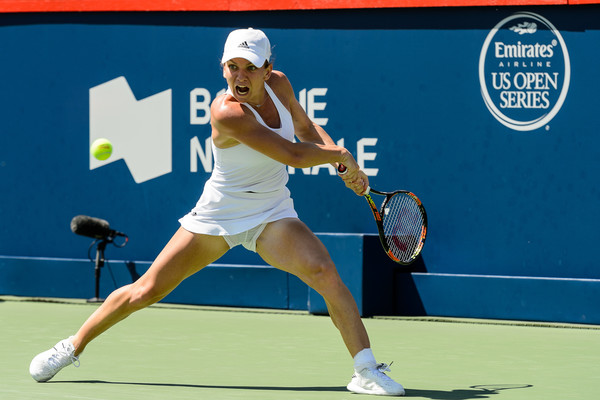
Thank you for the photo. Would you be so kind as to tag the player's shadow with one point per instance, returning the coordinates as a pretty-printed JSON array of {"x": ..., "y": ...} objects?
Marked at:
[
  {"x": 189, "y": 385},
  {"x": 473, "y": 392}
]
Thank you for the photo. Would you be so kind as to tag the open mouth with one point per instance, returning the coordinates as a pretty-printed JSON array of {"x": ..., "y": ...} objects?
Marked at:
[{"x": 242, "y": 90}]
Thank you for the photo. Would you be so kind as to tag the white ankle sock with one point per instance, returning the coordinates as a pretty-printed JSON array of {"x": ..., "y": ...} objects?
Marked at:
[{"x": 363, "y": 359}]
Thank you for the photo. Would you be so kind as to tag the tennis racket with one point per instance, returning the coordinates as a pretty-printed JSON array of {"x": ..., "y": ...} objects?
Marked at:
[{"x": 401, "y": 222}]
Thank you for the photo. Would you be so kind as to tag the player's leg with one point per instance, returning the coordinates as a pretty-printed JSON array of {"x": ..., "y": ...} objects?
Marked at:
[
  {"x": 185, "y": 254},
  {"x": 289, "y": 245}
]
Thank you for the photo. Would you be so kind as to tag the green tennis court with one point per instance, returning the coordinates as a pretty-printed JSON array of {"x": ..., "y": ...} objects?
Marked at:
[{"x": 189, "y": 352}]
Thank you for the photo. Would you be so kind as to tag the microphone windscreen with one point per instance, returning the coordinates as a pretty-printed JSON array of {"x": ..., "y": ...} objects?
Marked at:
[{"x": 91, "y": 227}]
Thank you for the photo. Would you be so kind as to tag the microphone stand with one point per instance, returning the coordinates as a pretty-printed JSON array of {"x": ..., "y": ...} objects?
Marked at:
[{"x": 99, "y": 264}]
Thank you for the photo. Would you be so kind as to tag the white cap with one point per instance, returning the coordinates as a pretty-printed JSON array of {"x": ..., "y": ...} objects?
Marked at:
[{"x": 250, "y": 44}]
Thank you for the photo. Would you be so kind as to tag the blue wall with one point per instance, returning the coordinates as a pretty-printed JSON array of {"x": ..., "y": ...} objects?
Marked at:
[{"x": 402, "y": 90}]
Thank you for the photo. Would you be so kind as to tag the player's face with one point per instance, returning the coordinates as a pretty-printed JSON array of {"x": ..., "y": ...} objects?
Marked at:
[{"x": 246, "y": 80}]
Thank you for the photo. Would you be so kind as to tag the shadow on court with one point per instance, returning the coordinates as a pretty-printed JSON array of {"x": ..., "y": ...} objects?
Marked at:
[
  {"x": 187, "y": 385},
  {"x": 474, "y": 392}
]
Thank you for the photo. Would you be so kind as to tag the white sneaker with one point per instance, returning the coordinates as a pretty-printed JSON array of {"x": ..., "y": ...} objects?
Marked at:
[
  {"x": 373, "y": 380},
  {"x": 47, "y": 364}
]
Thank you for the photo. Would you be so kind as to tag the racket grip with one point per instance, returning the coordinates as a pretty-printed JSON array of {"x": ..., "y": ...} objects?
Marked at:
[{"x": 343, "y": 170}]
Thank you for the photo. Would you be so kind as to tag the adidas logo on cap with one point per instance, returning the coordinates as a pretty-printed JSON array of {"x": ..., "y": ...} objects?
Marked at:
[{"x": 244, "y": 45}]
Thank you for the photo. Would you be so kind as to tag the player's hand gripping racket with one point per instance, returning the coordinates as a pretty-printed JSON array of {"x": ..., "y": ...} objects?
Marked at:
[{"x": 401, "y": 221}]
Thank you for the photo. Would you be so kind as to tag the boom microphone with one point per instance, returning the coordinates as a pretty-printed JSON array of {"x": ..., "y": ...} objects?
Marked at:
[{"x": 93, "y": 227}]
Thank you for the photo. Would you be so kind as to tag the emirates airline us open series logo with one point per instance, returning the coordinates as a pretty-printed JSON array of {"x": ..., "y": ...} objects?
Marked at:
[{"x": 524, "y": 71}]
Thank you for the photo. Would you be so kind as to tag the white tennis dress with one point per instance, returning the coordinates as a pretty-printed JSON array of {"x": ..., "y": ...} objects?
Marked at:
[{"x": 246, "y": 187}]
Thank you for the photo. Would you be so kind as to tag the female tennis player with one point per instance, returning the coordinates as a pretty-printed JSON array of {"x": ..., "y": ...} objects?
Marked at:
[{"x": 246, "y": 202}]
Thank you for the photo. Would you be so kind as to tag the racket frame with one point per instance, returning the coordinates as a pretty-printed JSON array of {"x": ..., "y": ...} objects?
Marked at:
[{"x": 379, "y": 214}]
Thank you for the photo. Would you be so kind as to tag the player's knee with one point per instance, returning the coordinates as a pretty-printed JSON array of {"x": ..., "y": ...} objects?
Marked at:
[
  {"x": 323, "y": 276},
  {"x": 141, "y": 296}
]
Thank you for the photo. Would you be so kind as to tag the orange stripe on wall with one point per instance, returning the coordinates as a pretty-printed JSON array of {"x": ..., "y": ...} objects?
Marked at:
[{"x": 253, "y": 5}]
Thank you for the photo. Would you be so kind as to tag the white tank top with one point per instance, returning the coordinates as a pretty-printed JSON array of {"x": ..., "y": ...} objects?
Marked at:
[{"x": 246, "y": 187}]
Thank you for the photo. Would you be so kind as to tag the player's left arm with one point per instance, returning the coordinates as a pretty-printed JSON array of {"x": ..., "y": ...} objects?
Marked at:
[
  {"x": 304, "y": 128},
  {"x": 308, "y": 131}
]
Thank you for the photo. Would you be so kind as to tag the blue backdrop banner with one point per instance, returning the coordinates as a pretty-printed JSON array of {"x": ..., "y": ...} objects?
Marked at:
[{"x": 488, "y": 115}]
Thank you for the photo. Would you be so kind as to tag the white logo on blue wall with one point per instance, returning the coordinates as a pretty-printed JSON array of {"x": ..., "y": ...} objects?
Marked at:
[
  {"x": 524, "y": 71},
  {"x": 140, "y": 130}
]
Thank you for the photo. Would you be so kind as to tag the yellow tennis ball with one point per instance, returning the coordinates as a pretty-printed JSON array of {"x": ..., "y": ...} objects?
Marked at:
[{"x": 101, "y": 149}]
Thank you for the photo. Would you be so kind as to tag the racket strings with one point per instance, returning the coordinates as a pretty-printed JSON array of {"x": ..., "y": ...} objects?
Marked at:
[{"x": 403, "y": 225}]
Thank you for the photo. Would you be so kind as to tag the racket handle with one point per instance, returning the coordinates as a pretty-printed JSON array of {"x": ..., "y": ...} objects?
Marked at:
[{"x": 343, "y": 170}]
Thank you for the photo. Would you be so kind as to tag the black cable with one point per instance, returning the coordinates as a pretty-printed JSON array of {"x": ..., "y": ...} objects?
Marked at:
[{"x": 111, "y": 274}]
